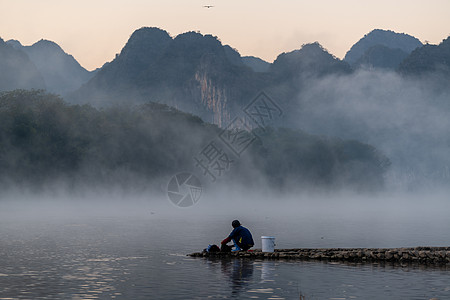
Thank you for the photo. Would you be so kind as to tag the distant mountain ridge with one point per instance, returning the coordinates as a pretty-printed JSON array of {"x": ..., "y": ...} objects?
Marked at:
[
  {"x": 17, "y": 71},
  {"x": 61, "y": 72},
  {"x": 196, "y": 73},
  {"x": 428, "y": 59},
  {"x": 256, "y": 63},
  {"x": 387, "y": 38},
  {"x": 311, "y": 60},
  {"x": 192, "y": 72}
]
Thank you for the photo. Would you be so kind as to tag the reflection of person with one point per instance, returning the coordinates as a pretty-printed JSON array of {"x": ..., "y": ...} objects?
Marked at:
[
  {"x": 241, "y": 237},
  {"x": 239, "y": 273}
]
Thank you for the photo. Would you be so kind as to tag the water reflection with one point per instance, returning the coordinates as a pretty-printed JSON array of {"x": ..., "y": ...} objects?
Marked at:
[
  {"x": 289, "y": 279},
  {"x": 267, "y": 271},
  {"x": 385, "y": 265},
  {"x": 120, "y": 259},
  {"x": 239, "y": 272},
  {"x": 248, "y": 278}
]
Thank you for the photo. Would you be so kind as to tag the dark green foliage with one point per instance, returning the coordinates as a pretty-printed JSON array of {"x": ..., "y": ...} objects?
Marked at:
[
  {"x": 43, "y": 140},
  {"x": 34, "y": 135}
]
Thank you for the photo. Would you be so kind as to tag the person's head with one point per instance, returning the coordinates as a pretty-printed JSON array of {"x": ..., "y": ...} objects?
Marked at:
[{"x": 235, "y": 223}]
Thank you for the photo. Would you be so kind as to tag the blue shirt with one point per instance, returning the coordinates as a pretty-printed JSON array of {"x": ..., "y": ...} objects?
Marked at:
[{"x": 242, "y": 236}]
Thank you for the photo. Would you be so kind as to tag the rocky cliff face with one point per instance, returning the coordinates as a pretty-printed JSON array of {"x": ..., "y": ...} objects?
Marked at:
[{"x": 214, "y": 98}]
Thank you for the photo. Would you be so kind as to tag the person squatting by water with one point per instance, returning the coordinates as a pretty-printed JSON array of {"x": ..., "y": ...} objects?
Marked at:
[{"x": 241, "y": 237}]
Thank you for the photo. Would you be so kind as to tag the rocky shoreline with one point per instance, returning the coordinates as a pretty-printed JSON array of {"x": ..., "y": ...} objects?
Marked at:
[{"x": 422, "y": 255}]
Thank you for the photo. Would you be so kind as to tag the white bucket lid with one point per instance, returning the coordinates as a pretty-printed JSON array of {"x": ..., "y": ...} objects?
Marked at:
[{"x": 267, "y": 237}]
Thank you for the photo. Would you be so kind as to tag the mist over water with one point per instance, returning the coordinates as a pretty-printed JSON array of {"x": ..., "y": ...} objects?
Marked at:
[
  {"x": 134, "y": 247},
  {"x": 407, "y": 118},
  {"x": 330, "y": 219}
]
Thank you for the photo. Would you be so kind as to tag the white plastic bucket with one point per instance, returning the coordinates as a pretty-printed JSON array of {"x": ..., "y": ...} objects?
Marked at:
[{"x": 268, "y": 243}]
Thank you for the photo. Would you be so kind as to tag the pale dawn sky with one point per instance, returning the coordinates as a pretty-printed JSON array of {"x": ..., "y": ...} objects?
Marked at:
[{"x": 94, "y": 31}]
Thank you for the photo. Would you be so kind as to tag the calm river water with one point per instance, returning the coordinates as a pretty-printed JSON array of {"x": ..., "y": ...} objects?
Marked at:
[{"x": 142, "y": 255}]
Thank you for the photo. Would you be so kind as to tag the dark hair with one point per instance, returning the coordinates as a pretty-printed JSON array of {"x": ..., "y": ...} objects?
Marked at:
[{"x": 235, "y": 223}]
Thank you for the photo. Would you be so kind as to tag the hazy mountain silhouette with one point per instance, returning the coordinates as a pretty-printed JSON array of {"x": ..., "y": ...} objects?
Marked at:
[
  {"x": 233, "y": 56},
  {"x": 256, "y": 63},
  {"x": 387, "y": 38},
  {"x": 61, "y": 72},
  {"x": 317, "y": 92},
  {"x": 17, "y": 71},
  {"x": 197, "y": 74},
  {"x": 428, "y": 59},
  {"x": 15, "y": 44},
  {"x": 310, "y": 60},
  {"x": 380, "y": 56},
  {"x": 192, "y": 72},
  {"x": 294, "y": 70}
]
